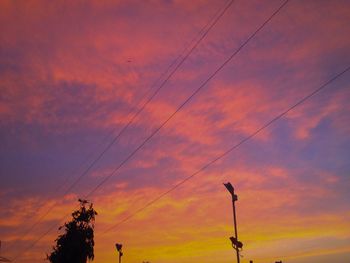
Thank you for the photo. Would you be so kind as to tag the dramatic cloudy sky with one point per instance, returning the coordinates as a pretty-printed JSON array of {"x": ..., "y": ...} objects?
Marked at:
[{"x": 72, "y": 73}]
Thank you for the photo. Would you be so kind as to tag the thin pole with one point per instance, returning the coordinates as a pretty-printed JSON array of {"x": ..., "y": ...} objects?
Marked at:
[{"x": 235, "y": 225}]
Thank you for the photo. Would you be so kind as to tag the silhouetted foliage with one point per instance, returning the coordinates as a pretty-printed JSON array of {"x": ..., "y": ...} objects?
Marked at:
[{"x": 76, "y": 245}]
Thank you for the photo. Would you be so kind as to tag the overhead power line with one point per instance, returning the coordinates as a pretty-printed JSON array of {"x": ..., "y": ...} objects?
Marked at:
[
  {"x": 186, "y": 101},
  {"x": 173, "y": 114},
  {"x": 86, "y": 159},
  {"x": 163, "y": 124},
  {"x": 184, "y": 54},
  {"x": 234, "y": 147},
  {"x": 149, "y": 99}
]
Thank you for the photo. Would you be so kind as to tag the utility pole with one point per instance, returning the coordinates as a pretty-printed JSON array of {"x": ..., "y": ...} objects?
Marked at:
[
  {"x": 237, "y": 245},
  {"x": 119, "y": 249}
]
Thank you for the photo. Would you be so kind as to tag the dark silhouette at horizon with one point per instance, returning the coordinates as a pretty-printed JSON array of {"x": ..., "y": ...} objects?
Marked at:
[{"x": 76, "y": 245}]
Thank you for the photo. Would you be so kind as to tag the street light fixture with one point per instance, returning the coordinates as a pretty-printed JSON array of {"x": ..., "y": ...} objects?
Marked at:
[
  {"x": 237, "y": 245},
  {"x": 119, "y": 249}
]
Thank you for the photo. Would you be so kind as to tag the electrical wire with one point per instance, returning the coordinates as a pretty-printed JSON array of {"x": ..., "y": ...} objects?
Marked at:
[
  {"x": 186, "y": 101},
  {"x": 204, "y": 31},
  {"x": 172, "y": 115},
  {"x": 234, "y": 147}
]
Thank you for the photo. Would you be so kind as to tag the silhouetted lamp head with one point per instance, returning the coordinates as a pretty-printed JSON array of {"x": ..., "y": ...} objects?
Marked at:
[
  {"x": 236, "y": 243},
  {"x": 119, "y": 247},
  {"x": 230, "y": 188}
]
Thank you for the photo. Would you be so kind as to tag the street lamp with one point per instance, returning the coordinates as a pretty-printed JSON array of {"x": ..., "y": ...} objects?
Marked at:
[
  {"x": 119, "y": 249},
  {"x": 237, "y": 245}
]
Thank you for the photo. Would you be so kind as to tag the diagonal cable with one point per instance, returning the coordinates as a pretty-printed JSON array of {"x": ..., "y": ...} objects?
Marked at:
[
  {"x": 234, "y": 147},
  {"x": 186, "y": 101},
  {"x": 204, "y": 31}
]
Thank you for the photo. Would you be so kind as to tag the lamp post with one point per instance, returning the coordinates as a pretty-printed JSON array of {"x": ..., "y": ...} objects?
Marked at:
[
  {"x": 237, "y": 245},
  {"x": 119, "y": 249}
]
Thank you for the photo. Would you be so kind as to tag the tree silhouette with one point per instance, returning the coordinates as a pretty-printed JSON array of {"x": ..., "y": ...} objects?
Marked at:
[{"x": 76, "y": 245}]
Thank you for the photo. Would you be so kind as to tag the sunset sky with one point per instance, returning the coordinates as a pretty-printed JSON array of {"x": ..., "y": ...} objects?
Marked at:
[{"x": 73, "y": 73}]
